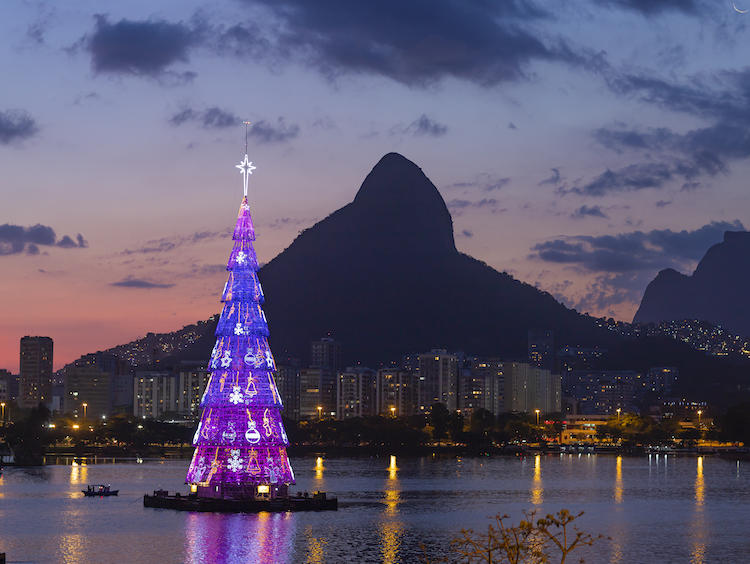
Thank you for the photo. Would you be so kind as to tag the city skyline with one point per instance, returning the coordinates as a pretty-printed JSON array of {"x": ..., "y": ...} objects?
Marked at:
[{"x": 549, "y": 126}]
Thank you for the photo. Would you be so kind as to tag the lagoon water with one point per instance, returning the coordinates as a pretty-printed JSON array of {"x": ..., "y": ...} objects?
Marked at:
[{"x": 654, "y": 509}]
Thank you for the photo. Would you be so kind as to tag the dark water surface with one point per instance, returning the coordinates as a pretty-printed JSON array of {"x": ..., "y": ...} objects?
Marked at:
[{"x": 655, "y": 509}]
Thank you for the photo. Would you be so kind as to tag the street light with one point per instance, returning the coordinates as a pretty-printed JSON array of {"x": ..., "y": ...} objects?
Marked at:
[
  {"x": 537, "y": 416},
  {"x": 618, "y": 410},
  {"x": 2, "y": 405},
  {"x": 700, "y": 412},
  {"x": 84, "y": 405},
  {"x": 320, "y": 413},
  {"x": 393, "y": 411}
]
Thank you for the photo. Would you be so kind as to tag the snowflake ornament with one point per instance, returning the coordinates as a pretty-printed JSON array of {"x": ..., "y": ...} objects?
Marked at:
[
  {"x": 241, "y": 257},
  {"x": 226, "y": 360},
  {"x": 238, "y": 329},
  {"x": 236, "y": 396},
  {"x": 235, "y": 462}
]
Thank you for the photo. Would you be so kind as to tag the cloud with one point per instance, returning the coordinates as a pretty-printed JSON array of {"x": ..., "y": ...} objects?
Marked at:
[
  {"x": 210, "y": 118},
  {"x": 653, "y": 7},
  {"x": 131, "y": 282},
  {"x": 641, "y": 176},
  {"x": 425, "y": 126},
  {"x": 608, "y": 290},
  {"x": 467, "y": 233},
  {"x": 555, "y": 179},
  {"x": 511, "y": 125},
  {"x": 16, "y": 125},
  {"x": 720, "y": 98},
  {"x": 634, "y": 251},
  {"x": 208, "y": 269},
  {"x": 268, "y": 132},
  {"x": 484, "y": 181},
  {"x": 418, "y": 43},
  {"x": 457, "y": 204},
  {"x": 663, "y": 203},
  {"x": 586, "y": 211},
  {"x": 66, "y": 243},
  {"x": 142, "y": 48},
  {"x": 166, "y": 244},
  {"x": 15, "y": 239}
]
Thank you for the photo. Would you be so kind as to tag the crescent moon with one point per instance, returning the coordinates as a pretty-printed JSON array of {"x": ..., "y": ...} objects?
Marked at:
[{"x": 736, "y": 9}]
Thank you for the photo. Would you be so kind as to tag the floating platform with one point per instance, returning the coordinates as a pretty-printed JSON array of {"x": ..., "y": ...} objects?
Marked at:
[{"x": 191, "y": 502}]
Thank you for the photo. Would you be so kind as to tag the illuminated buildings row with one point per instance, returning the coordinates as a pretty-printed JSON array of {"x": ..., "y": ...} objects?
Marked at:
[
  {"x": 158, "y": 394},
  {"x": 604, "y": 392}
]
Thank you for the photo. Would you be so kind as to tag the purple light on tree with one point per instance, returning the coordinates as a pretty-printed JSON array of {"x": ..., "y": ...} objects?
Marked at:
[{"x": 240, "y": 441}]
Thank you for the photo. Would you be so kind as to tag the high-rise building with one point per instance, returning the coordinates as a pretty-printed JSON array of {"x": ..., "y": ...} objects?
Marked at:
[
  {"x": 603, "y": 392},
  {"x": 288, "y": 382},
  {"x": 6, "y": 379},
  {"x": 662, "y": 379},
  {"x": 317, "y": 396},
  {"x": 192, "y": 379},
  {"x": 396, "y": 392},
  {"x": 4, "y": 391},
  {"x": 542, "y": 348},
  {"x": 487, "y": 373},
  {"x": 35, "y": 379},
  {"x": 355, "y": 393},
  {"x": 528, "y": 388},
  {"x": 101, "y": 381},
  {"x": 154, "y": 394},
  {"x": 438, "y": 379},
  {"x": 326, "y": 353}
]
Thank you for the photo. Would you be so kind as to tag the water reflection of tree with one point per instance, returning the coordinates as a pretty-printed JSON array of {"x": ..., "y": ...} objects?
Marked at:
[{"x": 264, "y": 538}]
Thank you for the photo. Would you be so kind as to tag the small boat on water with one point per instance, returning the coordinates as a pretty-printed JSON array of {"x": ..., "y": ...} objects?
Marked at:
[{"x": 99, "y": 490}]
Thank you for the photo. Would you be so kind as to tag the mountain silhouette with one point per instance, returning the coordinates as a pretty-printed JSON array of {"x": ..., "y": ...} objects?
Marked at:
[
  {"x": 382, "y": 275},
  {"x": 715, "y": 292}
]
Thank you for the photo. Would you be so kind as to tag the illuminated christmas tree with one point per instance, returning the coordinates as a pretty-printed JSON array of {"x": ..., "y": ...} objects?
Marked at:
[{"x": 240, "y": 441}]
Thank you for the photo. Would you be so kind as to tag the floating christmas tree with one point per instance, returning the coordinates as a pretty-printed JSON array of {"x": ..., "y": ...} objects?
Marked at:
[{"x": 240, "y": 441}]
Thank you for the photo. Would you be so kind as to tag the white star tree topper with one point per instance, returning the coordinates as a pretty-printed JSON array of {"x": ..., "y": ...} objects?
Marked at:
[{"x": 246, "y": 169}]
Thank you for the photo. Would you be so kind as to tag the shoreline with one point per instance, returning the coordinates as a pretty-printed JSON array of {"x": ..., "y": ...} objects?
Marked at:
[{"x": 438, "y": 452}]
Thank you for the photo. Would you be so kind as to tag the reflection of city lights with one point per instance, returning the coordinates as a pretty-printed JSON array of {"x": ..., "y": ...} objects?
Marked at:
[
  {"x": 699, "y": 533},
  {"x": 392, "y": 468},
  {"x": 78, "y": 474},
  {"x": 319, "y": 468},
  {"x": 618, "y": 480},
  {"x": 537, "y": 490},
  {"x": 315, "y": 554}
]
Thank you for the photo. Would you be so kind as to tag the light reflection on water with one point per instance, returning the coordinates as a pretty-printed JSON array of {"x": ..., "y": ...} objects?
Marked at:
[
  {"x": 537, "y": 491},
  {"x": 390, "y": 527},
  {"x": 699, "y": 531},
  {"x": 618, "y": 480},
  {"x": 694, "y": 512},
  {"x": 264, "y": 538}
]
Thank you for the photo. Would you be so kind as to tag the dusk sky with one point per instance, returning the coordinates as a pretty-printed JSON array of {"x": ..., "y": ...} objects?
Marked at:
[{"x": 580, "y": 146}]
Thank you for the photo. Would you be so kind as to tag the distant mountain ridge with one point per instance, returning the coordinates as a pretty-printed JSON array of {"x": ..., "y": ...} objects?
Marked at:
[
  {"x": 383, "y": 276},
  {"x": 717, "y": 291}
]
